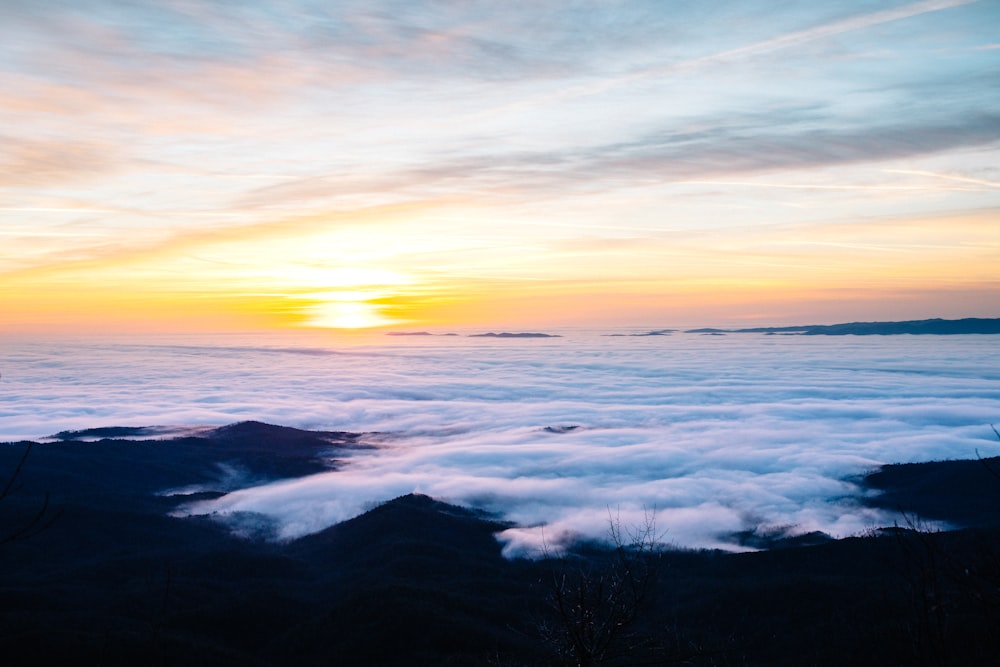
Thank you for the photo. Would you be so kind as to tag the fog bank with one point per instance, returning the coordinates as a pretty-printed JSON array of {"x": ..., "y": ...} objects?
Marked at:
[{"x": 717, "y": 434}]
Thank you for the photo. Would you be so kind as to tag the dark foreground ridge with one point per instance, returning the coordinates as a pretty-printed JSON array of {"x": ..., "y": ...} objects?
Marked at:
[
  {"x": 115, "y": 580},
  {"x": 938, "y": 327}
]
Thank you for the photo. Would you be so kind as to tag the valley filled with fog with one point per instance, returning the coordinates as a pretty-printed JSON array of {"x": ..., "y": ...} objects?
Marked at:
[{"x": 716, "y": 434}]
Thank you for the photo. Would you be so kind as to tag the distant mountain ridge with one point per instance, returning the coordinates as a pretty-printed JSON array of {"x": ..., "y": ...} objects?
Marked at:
[
  {"x": 508, "y": 334},
  {"x": 936, "y": 326}
]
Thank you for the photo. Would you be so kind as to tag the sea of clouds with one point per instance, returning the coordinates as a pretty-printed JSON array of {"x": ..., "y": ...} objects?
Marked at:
[{"x": 715, "y": 434}]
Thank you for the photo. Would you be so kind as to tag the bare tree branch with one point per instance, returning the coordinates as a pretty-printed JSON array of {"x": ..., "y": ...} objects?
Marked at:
[{"x": 40, "y": 520}]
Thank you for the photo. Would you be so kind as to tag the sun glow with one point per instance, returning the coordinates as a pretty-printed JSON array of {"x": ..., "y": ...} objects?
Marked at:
[
  {"x": 358, "y": 298},
  {"x": 346, "y": 315},
  {"x": 361, "y": 308},
  {"x": 342, "y": 278}
]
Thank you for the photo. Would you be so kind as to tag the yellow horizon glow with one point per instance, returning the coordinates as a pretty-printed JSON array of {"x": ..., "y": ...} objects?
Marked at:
[{"x": 350, "y": 278}]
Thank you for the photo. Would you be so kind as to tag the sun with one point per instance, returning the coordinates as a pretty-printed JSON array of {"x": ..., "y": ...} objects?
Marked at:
[
  {"x": 347, "y": 309},
  {"x": 348, "y": 297}
]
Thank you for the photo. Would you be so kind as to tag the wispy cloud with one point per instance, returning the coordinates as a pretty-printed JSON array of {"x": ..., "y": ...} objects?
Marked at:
[
  {"x": 946, "y": 177},
  {"x": 710, "y": 149},
  {"x": 774, "y": 44},
  {"x": 40, "y": 163}
]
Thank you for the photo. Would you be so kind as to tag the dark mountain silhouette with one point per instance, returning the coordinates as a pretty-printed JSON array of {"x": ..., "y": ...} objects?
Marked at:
[
  {"x": 507, "y": 334},
  {"x": 657, "y": 332},
  {"x": 938, "y": 327},
  {"x": 963, "y": 493},
  {"x": 414, "y": 581},
  {"x": 566, "y": 428},
  {"x": 110, "y": 432}
]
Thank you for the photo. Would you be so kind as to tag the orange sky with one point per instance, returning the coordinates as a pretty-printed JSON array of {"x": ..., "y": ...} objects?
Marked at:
[{"x": 170, "y": 169}]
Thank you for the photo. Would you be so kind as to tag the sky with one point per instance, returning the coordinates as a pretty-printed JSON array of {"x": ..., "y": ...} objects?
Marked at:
[{"x": 230, "y": 166}]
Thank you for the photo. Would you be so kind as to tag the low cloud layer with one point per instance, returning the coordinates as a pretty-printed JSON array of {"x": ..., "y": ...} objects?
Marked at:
[{"x": 716, "y": 434}]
